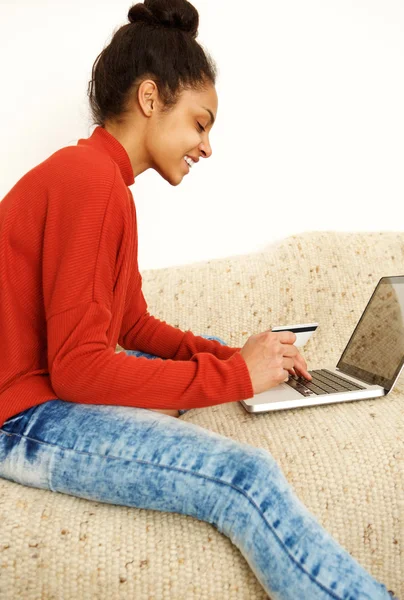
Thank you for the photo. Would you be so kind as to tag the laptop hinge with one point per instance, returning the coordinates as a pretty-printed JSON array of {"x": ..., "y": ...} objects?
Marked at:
[{"x": 354, "y": 378}]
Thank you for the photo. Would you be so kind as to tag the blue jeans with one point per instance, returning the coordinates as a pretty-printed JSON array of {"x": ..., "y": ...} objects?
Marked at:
[{"x": 145, "y": 459}]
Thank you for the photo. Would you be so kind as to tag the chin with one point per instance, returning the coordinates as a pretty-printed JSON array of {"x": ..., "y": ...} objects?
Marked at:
[
  {"x": 174, "y": 182},
  {"x": 170, "y": 179}
]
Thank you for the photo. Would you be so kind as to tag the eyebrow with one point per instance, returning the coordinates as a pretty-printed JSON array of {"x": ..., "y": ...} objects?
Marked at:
[{"x": 212, "y": 118}]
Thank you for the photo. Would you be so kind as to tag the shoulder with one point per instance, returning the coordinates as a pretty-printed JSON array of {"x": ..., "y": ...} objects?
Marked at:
[
  {"x": 86, "y": 177},
  {"x": 79, "y": 163}
]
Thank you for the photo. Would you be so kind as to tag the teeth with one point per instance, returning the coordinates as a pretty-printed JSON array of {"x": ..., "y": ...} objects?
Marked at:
[{"x": 189, "y": 161}]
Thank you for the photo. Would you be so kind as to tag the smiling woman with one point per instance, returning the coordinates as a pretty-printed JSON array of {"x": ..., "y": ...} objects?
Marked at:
[
  {"x": 161, "y": 115},
  {"x": 79, "y": 418}
]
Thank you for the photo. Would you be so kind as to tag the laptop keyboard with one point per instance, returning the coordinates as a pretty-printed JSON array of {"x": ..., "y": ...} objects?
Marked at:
[{"x": 322, "y": 382}]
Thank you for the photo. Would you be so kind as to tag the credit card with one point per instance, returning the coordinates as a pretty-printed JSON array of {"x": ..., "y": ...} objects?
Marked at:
[
  {"x": 297, "y": 328},
  {"x": 303, "y": 331}
]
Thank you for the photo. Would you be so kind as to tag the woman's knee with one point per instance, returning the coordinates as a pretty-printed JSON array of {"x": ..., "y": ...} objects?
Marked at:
[{"x": 213, "y": 337}]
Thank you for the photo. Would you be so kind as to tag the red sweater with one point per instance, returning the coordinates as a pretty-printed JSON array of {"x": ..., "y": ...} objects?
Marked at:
[{"x": 70, "y": 291}]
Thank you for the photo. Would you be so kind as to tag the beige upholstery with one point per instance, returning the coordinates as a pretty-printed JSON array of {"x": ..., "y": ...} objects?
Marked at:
[{"x": 344, "y": 461}]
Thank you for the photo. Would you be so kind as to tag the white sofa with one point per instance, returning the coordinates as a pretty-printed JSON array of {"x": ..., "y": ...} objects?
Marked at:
[{"x": 344, "y": 461}]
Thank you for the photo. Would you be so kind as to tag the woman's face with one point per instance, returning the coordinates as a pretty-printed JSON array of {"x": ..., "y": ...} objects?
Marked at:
[
  {"x": 185, "y": 130},
  {"x": 160, "y": 141}
]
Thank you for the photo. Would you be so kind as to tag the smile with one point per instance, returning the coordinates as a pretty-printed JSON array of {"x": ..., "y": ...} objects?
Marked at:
[{"x": 189, "y": 161}]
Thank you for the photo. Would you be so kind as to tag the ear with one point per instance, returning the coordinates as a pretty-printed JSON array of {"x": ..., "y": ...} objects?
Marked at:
[{"x": 147, "y": 96}]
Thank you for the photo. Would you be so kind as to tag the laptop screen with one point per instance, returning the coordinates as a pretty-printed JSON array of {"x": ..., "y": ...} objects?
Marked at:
[{"x": 375, "y": 351}]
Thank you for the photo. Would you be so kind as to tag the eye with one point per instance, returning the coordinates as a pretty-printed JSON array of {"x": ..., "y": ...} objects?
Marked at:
[{"x": 201, "y": 128}]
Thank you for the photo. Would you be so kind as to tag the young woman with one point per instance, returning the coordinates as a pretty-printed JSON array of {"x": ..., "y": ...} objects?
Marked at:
[{"x": 79, "y": 418}]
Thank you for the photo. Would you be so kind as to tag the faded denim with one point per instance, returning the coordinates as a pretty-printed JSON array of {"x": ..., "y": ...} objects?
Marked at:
[{"x": 137, "y": 457}]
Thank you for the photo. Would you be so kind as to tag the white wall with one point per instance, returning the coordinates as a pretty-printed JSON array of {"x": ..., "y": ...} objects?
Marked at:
[{"x": 310, "y": 127}]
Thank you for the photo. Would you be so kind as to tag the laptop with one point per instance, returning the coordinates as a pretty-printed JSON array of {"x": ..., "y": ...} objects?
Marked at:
[{"x": 369, "y": 366}]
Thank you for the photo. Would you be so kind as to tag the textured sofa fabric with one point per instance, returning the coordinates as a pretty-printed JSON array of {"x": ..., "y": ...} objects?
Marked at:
[{"x": 344, "y": 461}]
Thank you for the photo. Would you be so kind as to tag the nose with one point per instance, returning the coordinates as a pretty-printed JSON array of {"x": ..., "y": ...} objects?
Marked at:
[{"x": 206, "y": 150}]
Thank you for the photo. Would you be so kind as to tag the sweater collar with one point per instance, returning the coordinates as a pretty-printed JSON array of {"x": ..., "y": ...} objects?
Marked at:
[{"x": 106, "y": 142}]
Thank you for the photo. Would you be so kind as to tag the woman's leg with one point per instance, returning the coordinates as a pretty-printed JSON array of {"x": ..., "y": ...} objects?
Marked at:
[{"x": 140, "y": 458}]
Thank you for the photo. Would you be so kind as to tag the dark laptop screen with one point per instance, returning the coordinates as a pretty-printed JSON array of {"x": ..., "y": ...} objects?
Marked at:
[{"x": 375, "y": 351}]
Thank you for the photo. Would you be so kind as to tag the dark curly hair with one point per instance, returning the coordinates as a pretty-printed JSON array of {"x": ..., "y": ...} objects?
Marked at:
[{"x": 158, "y": 43}]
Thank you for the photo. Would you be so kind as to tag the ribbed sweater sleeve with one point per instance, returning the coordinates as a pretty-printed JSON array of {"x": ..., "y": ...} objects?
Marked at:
[
  {"x": 157, "y": 337},
  {"x": 81, "y": 278}
]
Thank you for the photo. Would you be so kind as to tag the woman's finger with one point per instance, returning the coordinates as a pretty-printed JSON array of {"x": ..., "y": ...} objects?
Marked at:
[{"x": 301, "y": 366}]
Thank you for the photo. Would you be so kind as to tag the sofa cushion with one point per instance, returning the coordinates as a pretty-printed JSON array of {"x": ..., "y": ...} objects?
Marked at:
[{"x": 344, "y": 461}]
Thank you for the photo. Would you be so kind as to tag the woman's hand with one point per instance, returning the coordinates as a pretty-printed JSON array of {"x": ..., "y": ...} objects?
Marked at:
[
  {"x": 270, "y": 357},
  {"x": 300, "y": 367}
]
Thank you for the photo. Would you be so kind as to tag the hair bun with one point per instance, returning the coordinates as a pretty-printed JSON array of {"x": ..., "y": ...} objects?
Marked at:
[{"x": 173, "y": 14}]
